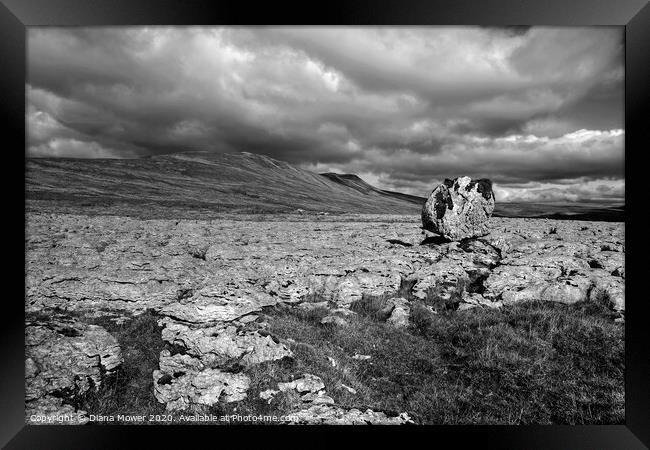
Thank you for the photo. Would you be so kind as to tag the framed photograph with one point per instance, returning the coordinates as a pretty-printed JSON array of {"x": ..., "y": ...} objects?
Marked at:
[{"x": 409, "y": 214}]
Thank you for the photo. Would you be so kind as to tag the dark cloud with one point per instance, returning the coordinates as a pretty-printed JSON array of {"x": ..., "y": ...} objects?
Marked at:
[{"x": 539, "y": 110}]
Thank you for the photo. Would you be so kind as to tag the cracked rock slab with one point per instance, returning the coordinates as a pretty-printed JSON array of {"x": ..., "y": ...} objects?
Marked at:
[
  {"x": 123, "y": 264},
  {"x": 64, "y": 359},
  {"x": 182, "y": 382},
  {"x": 323, "y": 414},
  {"x": 193, "y": 375},
  {"x": 221, "y": 344},
  {"x": 207, "y": 310},
  {"x": 307, "y": 383}
]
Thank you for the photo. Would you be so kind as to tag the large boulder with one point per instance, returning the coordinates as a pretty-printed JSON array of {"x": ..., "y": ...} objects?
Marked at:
[{"x": 459, "y": 208}]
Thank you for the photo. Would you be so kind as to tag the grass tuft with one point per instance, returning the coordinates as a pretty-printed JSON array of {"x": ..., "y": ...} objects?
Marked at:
[
  {"x": 130, "y": 390},
  {"x": 376, "y": 307}
]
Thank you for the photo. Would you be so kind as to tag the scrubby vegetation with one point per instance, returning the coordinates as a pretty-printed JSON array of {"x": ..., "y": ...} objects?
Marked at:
[
  {"x": 130, "y": 390},
  {"x": 531, "y": 363}
]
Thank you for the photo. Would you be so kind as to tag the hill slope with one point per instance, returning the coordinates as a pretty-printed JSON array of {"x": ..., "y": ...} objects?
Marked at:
[
  {"x": 195, "y": 181},
  {"x": 200, "y": 184},
  {"x": 354, "y": 182}
]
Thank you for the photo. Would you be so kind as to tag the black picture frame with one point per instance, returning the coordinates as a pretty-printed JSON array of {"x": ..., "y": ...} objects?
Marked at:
[{"x": 634, "y": 15}]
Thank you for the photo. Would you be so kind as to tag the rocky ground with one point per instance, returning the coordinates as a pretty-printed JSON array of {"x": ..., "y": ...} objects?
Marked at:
[{"x": 210, "y": 282}]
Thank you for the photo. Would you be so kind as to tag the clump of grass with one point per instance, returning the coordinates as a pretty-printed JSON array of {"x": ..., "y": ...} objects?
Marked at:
[
  {"x": 439, "y": 297},
  {"x": 445, "y": 298},
  {"x": 312, "y": 315},
  {"x": 101, "y": 246},
  {"x": 601, "y": 298},
  {"x": 46, "y": 315},
  {"x": 314, "y": 297},
  {"x": 421, "y": 318},
  {"x": 374, "y": 306},
  {"x": 129, "y": 390},
  {"x": 406, "y": 288},
  {"x": 198, "y": 251}
]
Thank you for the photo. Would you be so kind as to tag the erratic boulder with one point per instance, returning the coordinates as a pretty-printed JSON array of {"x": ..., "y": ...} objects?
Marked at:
[{"x": 459, "y": 208}]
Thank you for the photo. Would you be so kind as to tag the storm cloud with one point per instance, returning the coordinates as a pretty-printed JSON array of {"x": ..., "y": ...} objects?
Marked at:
[{"x": 538, "y": 110}]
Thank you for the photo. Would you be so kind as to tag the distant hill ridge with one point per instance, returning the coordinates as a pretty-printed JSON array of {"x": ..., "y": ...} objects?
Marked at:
[
  {"x": 229, "y": 182},
  {"x": 357, "y": 183},
  {"x": 198, "y": 184}
]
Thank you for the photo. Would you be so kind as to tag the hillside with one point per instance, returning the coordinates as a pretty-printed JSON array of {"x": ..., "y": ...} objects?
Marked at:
[
  {"x": 202, "y": 184},
  {"x": 601, "y": 211},
  {"x": 354, "y": 182},
  {"x": 166, "y": 185}
]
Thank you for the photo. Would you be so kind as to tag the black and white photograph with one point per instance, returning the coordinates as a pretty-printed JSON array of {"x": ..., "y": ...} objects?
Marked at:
[{"x": 325, "y": 225}]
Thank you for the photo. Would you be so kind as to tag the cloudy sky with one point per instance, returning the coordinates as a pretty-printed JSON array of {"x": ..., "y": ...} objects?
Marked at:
[{"x": 537, "y": 110}]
